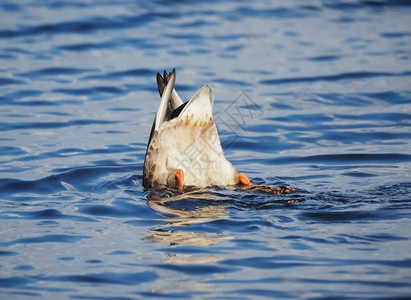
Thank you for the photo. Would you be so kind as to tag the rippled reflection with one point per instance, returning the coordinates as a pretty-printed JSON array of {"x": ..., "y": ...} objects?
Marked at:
[{"x": 182, "y": 211}]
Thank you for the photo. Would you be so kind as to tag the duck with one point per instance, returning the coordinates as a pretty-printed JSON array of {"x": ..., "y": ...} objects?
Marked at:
[{"x": 184, "y": 148}]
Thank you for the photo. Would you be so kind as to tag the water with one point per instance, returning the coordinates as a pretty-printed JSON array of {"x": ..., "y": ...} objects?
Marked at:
[{"x": 311, "y": 94}]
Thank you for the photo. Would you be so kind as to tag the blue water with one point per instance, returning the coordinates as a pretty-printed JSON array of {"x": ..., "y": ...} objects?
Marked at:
[{"x": 311, "y": 94}]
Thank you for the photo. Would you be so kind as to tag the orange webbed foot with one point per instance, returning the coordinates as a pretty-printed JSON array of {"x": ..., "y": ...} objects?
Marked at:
[
  {"x": 244, "y": 179},
  {"x": 180, "y": 179}
]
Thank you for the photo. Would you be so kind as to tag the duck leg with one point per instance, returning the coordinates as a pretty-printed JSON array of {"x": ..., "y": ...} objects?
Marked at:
[
  {"x": 180, "y": 179},
  {"x": 249, "y": 186},
  {"x": 244, "y": 179}
]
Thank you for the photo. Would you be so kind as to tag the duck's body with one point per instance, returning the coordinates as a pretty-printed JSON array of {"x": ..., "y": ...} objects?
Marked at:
[{"x": 184, "y": 147}]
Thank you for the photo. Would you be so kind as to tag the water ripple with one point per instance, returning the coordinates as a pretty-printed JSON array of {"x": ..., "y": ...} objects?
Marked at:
[
  {"x": 81, "y": 178},
  {"x": 352, "y": 158},
  {"x": 336, "y": 77},
  {"x": 45, "y": 125},
  {"x": 10, "y": 81},
  {"x": 80, "y": 26},
  {"x": 46, "y": 214},
  {"x": 50, "y": 238},
  {"x": 55, "y": 71},
  {"x": 106, "y": 278}
]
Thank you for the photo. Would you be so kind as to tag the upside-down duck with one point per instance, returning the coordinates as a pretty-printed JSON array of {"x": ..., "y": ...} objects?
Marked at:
[{"x": 184, "y": 148}]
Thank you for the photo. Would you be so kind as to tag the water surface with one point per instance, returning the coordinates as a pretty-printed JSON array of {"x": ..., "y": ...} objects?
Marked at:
[{"x": 311, "y": 94}]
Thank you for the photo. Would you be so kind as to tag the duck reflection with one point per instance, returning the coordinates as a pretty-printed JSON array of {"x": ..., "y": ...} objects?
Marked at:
[{"x": 183, "y": 210}]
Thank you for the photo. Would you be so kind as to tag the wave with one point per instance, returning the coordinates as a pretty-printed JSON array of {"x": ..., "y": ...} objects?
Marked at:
[
  {"x": 82, "y": 179},
  {"x": 81, "y": 26},
  {"x": 48, "y": 125},
  {"x": 335, "y": 77},
  {"x": 352, "y": 158},
  {"x": 55, "y": 71}
]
